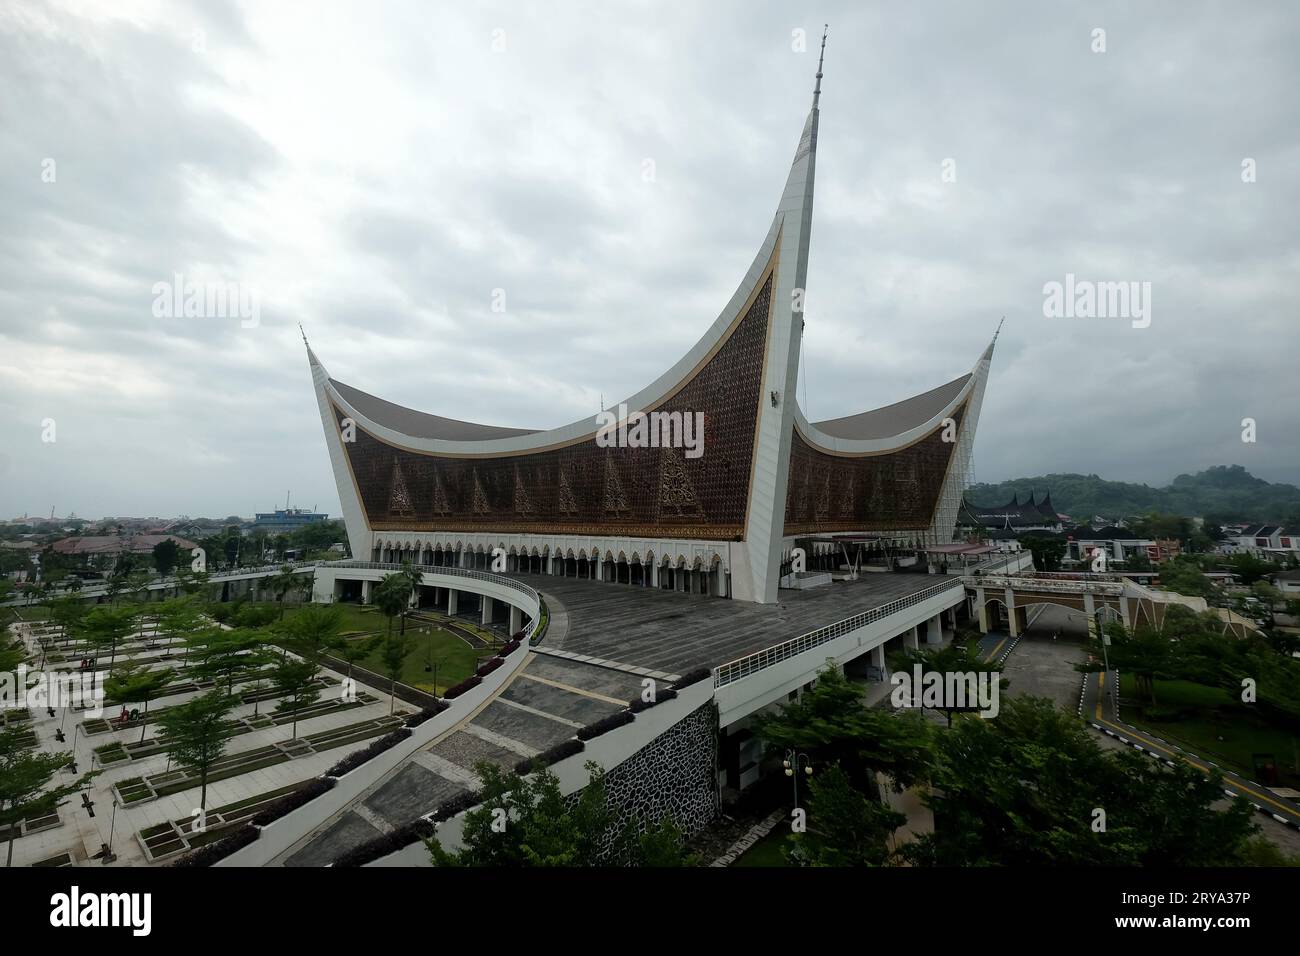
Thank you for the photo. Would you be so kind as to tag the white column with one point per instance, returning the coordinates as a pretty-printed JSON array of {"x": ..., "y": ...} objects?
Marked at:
[
  {"x": 453, "y": 601},
  {"x": 912, "y": 638},
  {"x": 516, "y": 620},
  {"x": 365, "y": 591},
  {"x": 982, "y": 610},
  {"x": 487, "y": 604},
  {"x": 654, "y": 575},
  {"x": 878, "y": 660},
  {"x": 934, "y": 630}
]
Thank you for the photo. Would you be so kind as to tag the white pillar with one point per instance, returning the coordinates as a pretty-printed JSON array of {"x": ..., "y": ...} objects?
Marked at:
[
  {"x": 486, "y": 603},
  {"x": 982, "y": 610},
  {"x": 934, "y": 630},
  {"x": 912, "y": 638},
  {"x": 516, "y": 620},
  {"x": 654, "y": 575},
  {"x": 878, "y": 660},
  {"x": 453, "y": 601},
  {"x": 365, "y": 591}
]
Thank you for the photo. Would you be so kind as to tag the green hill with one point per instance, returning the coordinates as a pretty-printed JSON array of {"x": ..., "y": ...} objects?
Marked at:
[{"x": 1221, "y": 493}]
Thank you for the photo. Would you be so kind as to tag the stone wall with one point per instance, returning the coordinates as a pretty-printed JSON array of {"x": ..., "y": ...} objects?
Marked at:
[{"x": 672, "y": 777}]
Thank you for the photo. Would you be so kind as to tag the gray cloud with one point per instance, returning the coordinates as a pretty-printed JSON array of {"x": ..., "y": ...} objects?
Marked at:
[{"x": 376, "y": 174}]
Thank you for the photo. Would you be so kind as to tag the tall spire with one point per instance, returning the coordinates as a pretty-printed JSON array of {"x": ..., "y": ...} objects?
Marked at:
[
  {"x": 817, "y": 88},
  {"x": 988, "y": 352}
]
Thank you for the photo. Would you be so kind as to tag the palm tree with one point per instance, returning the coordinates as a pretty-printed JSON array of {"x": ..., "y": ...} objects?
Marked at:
[
  {"x": 282, "y": 584},
  {"x": 413, "y": 576},
  {"x": 391, "y": 596}
]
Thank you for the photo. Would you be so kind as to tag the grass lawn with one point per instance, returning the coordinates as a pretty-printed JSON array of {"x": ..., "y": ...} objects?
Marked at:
[
  {"x": 1214, "y": 724},
  {"x": 769, "y": 851},
  {"x": 356, "y": 619},
  {"x": 36, "y": 612},
  {"x": 455, "y": 659}
]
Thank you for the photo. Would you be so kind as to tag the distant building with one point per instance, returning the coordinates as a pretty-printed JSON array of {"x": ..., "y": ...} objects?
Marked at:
[
  {"x": 1120, "y": 544},
  {"x": 1269, "y": 541},
  {"x": 99, "y": 550},
  {"x": 284, "y": 520},
  {"x": 1288, "y": 582},
  {"x": 1015, "y": 515}
]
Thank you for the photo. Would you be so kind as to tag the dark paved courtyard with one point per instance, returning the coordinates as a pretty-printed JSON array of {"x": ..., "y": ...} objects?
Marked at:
[{"x": 674, "y": 632}]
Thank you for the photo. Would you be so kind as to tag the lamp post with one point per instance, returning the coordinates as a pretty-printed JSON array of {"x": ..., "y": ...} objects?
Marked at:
[
  {"x": 792, "y": 764},
  {"x": 109, "y": 855},
  {"x": 72, "y": 766}
]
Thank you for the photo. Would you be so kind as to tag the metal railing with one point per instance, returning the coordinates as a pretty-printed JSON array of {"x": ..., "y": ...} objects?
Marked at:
[
  {"x": 745, "y": 666},
  {"x": 488, "y": 576}
]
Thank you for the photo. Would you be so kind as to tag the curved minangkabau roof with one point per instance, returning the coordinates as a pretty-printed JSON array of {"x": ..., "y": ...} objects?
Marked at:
[
  {"x": 408, "y": 421},
  {"x": 890, "y": 420}
]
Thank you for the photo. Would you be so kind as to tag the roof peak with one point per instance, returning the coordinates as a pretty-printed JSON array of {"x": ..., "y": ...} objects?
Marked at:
[{"x": 821, "y": 57}]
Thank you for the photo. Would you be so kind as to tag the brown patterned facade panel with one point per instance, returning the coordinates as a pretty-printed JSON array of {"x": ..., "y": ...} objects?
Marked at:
[
  {"x": 897, "y": 491},
  {"x": 583, "y": 488}
]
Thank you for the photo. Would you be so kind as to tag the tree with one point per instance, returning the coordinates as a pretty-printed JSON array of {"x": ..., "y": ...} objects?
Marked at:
[
  {"x": 24, "y": 775},
  {"x": 395, "y": 649},
  {"x": 295, "y": 682},
  {"x": 316, "y": 630},
  {"x": 832, "y": 724},
  {"x": 195, "y": 734},
  {"x": 1268, "y": 596},
  {"x": 1047, "y": 551},
  {"x": 67, "y": 612},
  {"x": 1023, "y": 790},
  {"x": 132, "y": 682},
  {"x": 528, "y": 822},
  {"x": 412, "y": 576},
  {"x": 1184, "y": 576},
  {"x": 228, "y": 656},
  {"x": 954, "y": 658},
  {"x": 281, "y": 584},
  {"x": 359, "y": 649},
  {"x": 166, "y": 555},
  {"x": 137, "y": 583},
  {"x": 114, "y": 585},
  {"x": 390, "y": 596},
  {"x": 180, "y": 617},
  {"x": 106, "y": 627},
  {"x": 845, "y": 828}
]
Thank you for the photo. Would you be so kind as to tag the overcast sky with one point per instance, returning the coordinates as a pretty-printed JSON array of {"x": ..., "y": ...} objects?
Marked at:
[{"x": 375, "y": 170}]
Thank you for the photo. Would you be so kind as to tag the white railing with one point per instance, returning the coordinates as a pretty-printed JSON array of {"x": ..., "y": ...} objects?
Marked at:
[
  {"x": 488, "y": 576},
  {"x": 745, "y": 666}
]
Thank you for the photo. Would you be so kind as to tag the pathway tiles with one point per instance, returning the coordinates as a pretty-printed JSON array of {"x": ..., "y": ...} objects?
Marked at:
[
  {"x": 535, "y": 730},
  {"x": 600, "y": 680},
  {"x": 348, "y": 831},
  {"x": 464, "y": 750},
  {"x": 412, "y": 792},
  {"x": 556, "y": 702}
]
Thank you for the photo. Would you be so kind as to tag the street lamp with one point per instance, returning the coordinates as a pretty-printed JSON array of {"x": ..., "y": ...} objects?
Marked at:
[
  {"x": 792, "y": 763},
  {"x": 109, "y": 856}
]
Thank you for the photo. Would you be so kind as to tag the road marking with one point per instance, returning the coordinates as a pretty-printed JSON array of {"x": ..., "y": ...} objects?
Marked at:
[{"x": 994, "y": 652}]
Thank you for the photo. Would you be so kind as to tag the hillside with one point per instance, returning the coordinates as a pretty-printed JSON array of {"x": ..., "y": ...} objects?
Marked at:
[{"x": 1221, "y": 493}]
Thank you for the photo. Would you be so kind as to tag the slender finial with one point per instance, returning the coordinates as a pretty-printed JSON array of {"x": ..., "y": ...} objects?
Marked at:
[
  {"x": 304, "y": 335},
  {"x": 999, "y": 329},
  {"x": 817, "y": 89}
]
